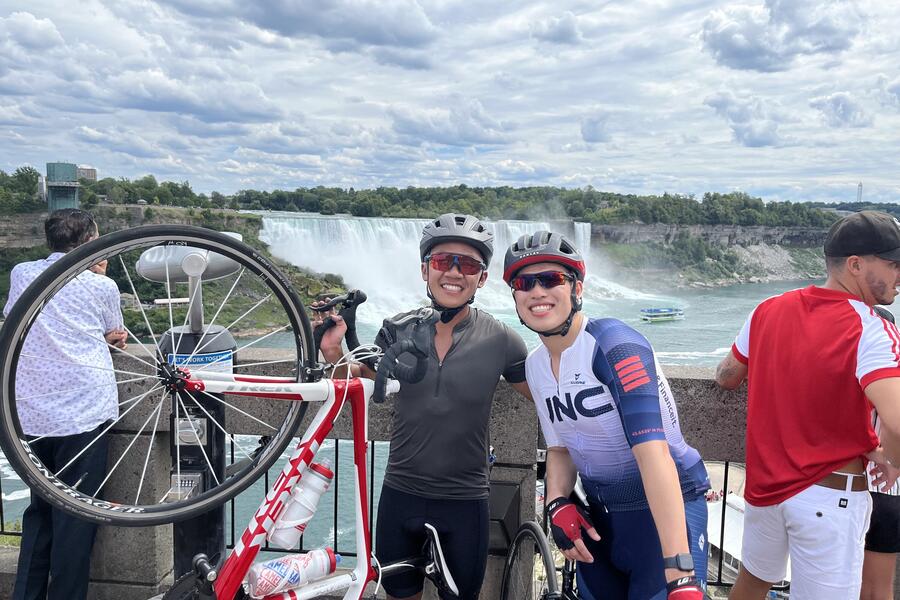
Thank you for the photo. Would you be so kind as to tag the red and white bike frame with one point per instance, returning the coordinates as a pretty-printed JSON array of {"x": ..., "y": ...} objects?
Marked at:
[{"x": 333, "y": 394}]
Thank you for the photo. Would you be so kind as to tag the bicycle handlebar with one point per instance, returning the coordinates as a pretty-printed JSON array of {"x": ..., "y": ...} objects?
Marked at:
[
  {"x": 349, "y": 302},
  {"x": 390, "y": 367}
]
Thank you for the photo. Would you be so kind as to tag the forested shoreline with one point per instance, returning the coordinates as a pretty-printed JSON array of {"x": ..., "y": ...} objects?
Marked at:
[{"x": 18, "y": 193}]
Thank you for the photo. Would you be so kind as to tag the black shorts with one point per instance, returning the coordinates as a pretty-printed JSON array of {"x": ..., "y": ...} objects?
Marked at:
[
  {"x": 884, "y": 530},
  {"x": 463, "y": 528}
]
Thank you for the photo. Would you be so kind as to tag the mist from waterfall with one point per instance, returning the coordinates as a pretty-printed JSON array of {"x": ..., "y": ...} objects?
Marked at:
[{"x": 381, "y": 257}]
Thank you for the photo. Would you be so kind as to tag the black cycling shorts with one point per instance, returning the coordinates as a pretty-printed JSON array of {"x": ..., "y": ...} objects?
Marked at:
[
  {"x": 884, "y": 530},
  {"x": 462, "y": 525}
]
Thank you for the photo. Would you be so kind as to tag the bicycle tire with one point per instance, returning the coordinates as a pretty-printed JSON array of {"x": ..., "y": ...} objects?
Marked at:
[
  {"x": 27, "y": 309},
  {"x": 522, "y": 579}
]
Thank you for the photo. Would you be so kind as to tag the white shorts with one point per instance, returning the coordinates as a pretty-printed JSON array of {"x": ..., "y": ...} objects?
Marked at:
[{"x": 824, "y": 533}]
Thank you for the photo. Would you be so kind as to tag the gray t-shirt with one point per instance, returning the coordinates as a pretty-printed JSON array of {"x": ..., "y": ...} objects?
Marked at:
[{"x": 439, "y": 440}]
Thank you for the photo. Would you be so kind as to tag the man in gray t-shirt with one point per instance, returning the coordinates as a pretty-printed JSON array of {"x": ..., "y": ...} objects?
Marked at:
[{"x": 438, "y": 464}]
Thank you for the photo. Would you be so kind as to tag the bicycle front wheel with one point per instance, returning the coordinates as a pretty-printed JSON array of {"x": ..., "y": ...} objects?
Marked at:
[
  {"x": 187, "y": 297},
  {"x": 529, "y": 573}
]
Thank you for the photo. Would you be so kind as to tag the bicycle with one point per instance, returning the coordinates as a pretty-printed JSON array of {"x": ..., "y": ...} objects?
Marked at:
[
  {"x": 166, "y": 256},
  {"x": 531, "y": 571}
]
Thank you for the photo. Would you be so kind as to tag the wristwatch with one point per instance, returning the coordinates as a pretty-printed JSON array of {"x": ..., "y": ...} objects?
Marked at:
[{"x": 681, "y": 562}]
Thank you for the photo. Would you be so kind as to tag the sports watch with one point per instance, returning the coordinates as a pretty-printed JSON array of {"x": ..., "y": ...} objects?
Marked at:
[{"x": 681, "y": 562}]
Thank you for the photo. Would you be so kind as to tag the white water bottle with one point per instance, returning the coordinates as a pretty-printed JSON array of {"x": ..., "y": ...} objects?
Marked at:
[
  {"x": 301, "y": 507},
  {"x": 290, "y": 572}
]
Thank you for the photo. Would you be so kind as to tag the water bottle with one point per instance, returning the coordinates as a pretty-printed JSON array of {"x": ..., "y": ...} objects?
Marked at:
[
  {"x": 301, "y": 506},
  {"x": 290, "y": 572}
]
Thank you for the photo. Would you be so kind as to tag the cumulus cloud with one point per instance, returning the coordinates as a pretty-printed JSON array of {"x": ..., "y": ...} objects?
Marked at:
[
  {"x": 594, "y": 129},
  {"x": 463, "y": 123},
  {"x": 153, "y": 90},
  {"x": 30, "y": 32},
  {"x": 841, "y": 110},
  {"x": 751, "y": 122},
  {"x": 769, "y": 37},
  {"x": 558, "y": 30}
]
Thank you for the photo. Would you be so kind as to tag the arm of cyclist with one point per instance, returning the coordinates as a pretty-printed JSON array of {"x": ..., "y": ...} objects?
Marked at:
[
  {"x": 567, "y": 519},
  {"x": 660, "y": 479},
  {"x": 522, "y": 388},
  {"x": 332, "y": 344}
]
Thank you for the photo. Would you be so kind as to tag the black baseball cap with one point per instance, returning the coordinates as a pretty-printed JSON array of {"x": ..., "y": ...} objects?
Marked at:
[{"x": 864, "y": 233}]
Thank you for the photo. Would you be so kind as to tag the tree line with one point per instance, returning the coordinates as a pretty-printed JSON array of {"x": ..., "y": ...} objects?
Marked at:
[{"x": 18, "y": 194}]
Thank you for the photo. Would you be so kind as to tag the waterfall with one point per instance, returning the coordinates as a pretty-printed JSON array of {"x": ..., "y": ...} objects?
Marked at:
[{"x": 381, "y": 257}]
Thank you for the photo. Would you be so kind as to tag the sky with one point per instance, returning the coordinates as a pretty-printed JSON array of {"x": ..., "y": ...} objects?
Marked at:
[{"x": 784, "y": 99}]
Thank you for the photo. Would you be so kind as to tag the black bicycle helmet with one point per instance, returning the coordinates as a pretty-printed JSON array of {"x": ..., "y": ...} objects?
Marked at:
[
  {"x": 542, "y": 246},
  {"x": 452, "y": 227}
]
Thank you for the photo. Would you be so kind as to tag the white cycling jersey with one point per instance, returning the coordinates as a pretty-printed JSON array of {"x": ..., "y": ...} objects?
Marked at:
[{"x": 611, "y": 395}]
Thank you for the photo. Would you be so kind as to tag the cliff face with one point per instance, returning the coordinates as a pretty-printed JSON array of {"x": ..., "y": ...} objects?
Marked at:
[{"x": 722, "y": 235}]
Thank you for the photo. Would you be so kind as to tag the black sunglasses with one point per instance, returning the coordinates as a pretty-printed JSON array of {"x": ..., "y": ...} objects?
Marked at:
[{"x": 547, "y": 279}]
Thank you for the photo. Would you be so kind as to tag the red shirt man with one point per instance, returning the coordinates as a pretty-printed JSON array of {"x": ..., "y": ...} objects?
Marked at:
[{"x": 816, "y": 359}]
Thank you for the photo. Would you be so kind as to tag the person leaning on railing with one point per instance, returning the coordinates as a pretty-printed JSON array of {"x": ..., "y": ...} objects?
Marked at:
[
  {"x": 814, "y": 359},
  {"x": 63, "y": 428}
]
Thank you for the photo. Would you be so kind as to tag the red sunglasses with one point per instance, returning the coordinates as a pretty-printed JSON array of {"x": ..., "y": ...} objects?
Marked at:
[
  {"x": 547, "y": 279},
  {"x": 444, "y": 261}
]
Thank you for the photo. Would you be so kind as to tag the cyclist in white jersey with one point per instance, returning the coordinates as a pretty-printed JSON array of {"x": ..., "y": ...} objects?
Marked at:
[{"x": 607, "y": 414}]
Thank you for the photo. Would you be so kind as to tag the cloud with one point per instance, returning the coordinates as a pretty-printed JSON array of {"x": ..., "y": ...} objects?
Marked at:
[
  {"x": 752, "y": 124},
  {"x": 120, "y": 140},
  {"x": 558, "y": 30},
  {"x": 29, "y": 32},
  {"x": 400, "y": 23},
  {"x": 153, "y": 90},
  {"x": 594, "y": 129},
  {"x": 402, "y": 57},
  {"x": 841, "y": 110},
  {"x": 465, "y": 122},
  {"x": 770, "y": 37}
]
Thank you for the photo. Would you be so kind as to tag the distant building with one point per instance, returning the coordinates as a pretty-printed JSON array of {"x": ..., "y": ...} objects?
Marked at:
[
  {"x": 42, "y": 187},
  {"x": 62, "y": 186},
  {"x": 86, "y": 172}
]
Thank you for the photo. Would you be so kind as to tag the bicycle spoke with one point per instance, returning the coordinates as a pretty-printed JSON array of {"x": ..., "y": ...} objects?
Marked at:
[
  {"x": 98, "y": 339},
  {"x": 102, "y": 433},
  {"x": 75, "y": 364},
  {"x": 266, "y": 362},
  {"x": 219, "y": 426},
  {"x": 244, "y": 347},
  {"x": 134, "y": 439},
  {"x": 233, "y": 323},
  {"x": 212, "y": 471},
  {"x": 143, "y": 312},
  {"x": 236, "y": 409},
  {"x": 137, "y": 497},
  {"x": 81, "y": 389},
  {"x": 213, "y": 322}
]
